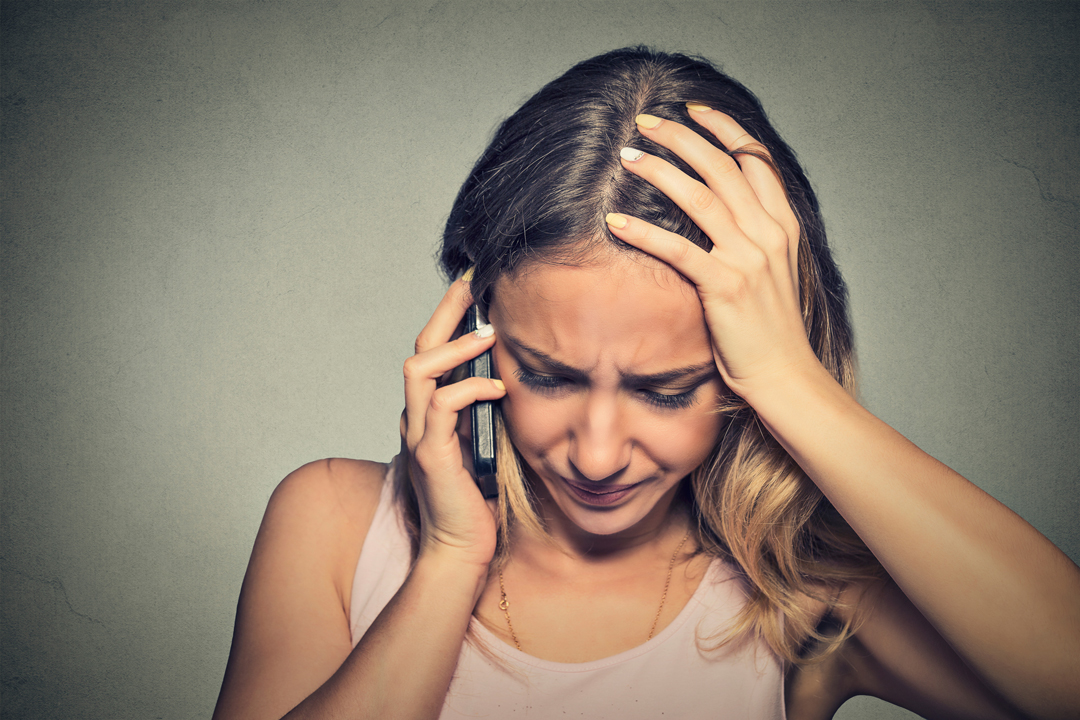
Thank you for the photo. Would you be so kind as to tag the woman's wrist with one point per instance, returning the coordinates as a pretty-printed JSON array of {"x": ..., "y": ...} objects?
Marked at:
[
  {"x": 457, "y": 571},
  {"x": 808, "y": 412},
  {"x": 805, "y": 387}
]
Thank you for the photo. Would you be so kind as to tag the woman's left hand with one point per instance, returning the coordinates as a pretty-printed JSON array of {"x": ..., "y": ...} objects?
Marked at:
[
  {"x": 1016, "y": 624},
  {"x": 748, "y": 282}
]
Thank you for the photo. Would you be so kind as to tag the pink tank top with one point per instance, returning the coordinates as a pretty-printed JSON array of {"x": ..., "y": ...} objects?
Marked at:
[{"x": 668, "y": 676}]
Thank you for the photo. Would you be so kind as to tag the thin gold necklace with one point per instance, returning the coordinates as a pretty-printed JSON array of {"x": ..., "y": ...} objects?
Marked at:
[{"x": 504, "y": 604}]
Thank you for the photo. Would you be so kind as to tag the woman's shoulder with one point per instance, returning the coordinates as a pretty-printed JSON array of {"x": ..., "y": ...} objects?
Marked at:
[
  {"x": 318, "y": 517},
  {"x": 333, "y": 488},
  {"x": 292, "y": 621}
]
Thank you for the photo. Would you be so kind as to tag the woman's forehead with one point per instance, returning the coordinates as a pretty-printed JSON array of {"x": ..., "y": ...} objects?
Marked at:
[
  {"x": 625, "y": 314},
  {"x": 608, "y": 267}
]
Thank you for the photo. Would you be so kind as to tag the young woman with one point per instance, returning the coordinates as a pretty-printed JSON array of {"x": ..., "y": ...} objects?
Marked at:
[{"x": 695, "y": 518}]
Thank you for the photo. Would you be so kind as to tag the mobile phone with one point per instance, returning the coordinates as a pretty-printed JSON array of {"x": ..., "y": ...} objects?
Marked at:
[{"x": 483, "y": 418}]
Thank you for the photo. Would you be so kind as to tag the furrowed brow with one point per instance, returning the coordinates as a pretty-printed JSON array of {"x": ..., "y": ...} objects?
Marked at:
[
  {"x": 549, "y": 362},
  {"x": 692, "y": 372}
]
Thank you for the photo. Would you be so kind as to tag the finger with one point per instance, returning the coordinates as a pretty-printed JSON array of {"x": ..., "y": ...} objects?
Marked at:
[
  {"x": 763, "y": 177},
  {"x": 446, "y": 318},
  {"x": 422, "y": 372},
  {"x": 446, "y": 402},
  {"x": 696, "y": 199},
  {"x": 720, "y": 171},
  {"x": 754, "y": 222},
  {"x": 695, "y": 264},
  {"x": 762, "y": 251}
]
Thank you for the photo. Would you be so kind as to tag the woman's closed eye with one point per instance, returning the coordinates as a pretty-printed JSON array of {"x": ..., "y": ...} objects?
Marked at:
[
  {"x": 666, "y": 400},
  {"x": 670, "y": 400},
  {"x": 539, "y": 382}
]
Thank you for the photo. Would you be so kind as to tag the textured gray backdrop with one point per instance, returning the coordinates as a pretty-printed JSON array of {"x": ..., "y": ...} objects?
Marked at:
[{"x": 218, "y": 225}]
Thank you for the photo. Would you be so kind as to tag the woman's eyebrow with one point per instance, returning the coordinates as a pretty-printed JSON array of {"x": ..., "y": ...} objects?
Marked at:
[
  {"x": 696, "y": 372},
  {"x": 518, "y": 347}
]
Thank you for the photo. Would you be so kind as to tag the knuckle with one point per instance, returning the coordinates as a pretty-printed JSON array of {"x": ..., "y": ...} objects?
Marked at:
[
  {"x": 734, "y": 288},
  {"x": 410, "y": 369},
  {"x": 423, "y": 342},
  {"x": 422, "y": 454},
  {"x": 757, "y": 261},
  {"x": 440, "y": 401},
  {"x": 775, "y": 240},
  {"x": 723, "y": 166},
  {"x": 682, "y": 252},
  {"x": 702, "y": 199},
  {"x": 793, "y": 230}
]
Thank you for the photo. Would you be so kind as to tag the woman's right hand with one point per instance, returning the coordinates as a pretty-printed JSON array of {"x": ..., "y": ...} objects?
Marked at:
[{"x": 455, "y": 520}]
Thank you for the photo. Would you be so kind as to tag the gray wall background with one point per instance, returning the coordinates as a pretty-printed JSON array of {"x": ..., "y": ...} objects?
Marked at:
[{"x": 218, "y": 224}]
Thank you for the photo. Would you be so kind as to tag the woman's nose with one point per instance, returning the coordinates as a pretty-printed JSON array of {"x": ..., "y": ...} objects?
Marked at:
[{"x": 599, "y": 445}]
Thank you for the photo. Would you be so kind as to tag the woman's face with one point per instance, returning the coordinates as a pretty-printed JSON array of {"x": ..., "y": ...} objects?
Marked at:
[{"x": 611, "y": 386}]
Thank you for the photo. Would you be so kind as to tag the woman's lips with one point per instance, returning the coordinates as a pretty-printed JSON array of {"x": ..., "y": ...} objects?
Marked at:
[{"x": 599, "y": 495}]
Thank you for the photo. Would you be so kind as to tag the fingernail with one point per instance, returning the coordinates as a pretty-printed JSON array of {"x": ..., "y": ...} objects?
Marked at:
[
  {"x": 631, "y": 154},
  {"x": 615, "y": 220},
  {"x": 484, "y": 331},
  {"x": 648, "y": 121},
  {"x": 499, "y": 383},
  {"x": 467, "y": 275},
  {"x": 697, "y": 107}
]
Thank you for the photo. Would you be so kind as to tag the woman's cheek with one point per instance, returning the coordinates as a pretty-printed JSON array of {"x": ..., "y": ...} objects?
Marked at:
[
  {"x": 684, "y": 441},
  {"x": 531, "y": 420},
  {"x": 671, "y": 444}
]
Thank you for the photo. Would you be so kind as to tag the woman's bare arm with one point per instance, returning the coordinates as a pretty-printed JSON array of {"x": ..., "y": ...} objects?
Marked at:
[
  {"x": 292, "y": 647},
  {"x": 292, "y": 625},
  {"x": 999, "y": 593},
  {"x": 405, "y": 661}
]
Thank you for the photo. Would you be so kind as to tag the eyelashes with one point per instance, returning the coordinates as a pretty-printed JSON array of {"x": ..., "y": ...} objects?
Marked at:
[
  {"x": 543, "y": 383},
  {"x": 663, "y": 400},
  {"x": 550, "y": 384}
]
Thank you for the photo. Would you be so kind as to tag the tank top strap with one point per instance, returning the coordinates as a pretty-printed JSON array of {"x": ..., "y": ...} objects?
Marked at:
[{"x": 384, "y": 559}]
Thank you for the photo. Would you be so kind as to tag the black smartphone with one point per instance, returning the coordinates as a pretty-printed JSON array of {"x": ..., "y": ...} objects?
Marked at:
[{"x": 483, "y": 418}]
